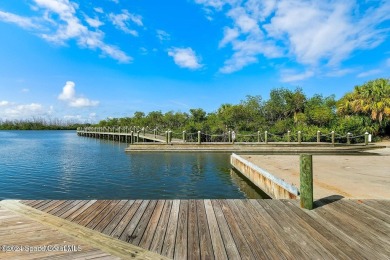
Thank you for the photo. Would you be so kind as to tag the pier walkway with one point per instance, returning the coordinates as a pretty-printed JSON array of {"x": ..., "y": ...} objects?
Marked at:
[{"x": 225, "y": 229}]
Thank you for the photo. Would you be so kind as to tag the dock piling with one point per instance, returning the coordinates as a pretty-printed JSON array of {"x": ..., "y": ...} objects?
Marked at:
[{"x": 306, "y": 180}]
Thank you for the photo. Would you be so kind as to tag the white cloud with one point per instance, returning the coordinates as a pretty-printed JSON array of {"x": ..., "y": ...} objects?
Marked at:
[
  {"x": 25, "y": 90},
  {"x": 122, "y": 21},
  {"x": 93, "y": 22},
  {"x": 23, "y": 22},
  {"x": 4, "y": 103},
  {"x": 369, "y": 73},
  {"x": 162, "y": 35},
  {"x": 98, "y": 10},
  {"x": 312, "y": 33},
  {"x": 339, "y": 72},
  {"x": 185, "y": 58},
  {"x": 18, "y": 111},
  {"x": 230, "y": 34},
  {"x": 59, "y": 24},
  {"x": 292, "y": 76},
  {"x": 68, "y": 95}
]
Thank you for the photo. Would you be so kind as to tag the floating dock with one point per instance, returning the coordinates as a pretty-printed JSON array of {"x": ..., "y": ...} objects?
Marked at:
[{"x": 201, "y": 229}]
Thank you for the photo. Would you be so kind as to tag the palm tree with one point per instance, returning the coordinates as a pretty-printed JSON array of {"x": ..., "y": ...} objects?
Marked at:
[{"x": 372, "y": 98}]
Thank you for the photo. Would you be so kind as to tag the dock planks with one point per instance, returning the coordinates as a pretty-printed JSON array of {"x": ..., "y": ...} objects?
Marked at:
[{"x": 236, "y": 229}]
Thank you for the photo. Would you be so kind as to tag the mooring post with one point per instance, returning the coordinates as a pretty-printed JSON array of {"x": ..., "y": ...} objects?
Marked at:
[
  {"x": 166, "y": 137},
  {"x": 348, "y": 138},
  {"x": 332, "y": 133},
  {"x": 318, "y": 136},
  {"x": 143, "y": 129},
  {"x": 266, "y": 137},
  {"x": 170, "y": 136},
  {"x": 299, "y": 137},
  {"x": 138, "y": 136},
  {"x": 229, "y": 136},
  {"x": 155, "y": 133},
  {"x": 258, "y": 136},
  {"x": 366, "y": 138},
  {"x": 199, "y": 141},
  {"x": 288, "y": 136},
  {"x": 184, "y": 136},
  {"x": 306, "y": 181},
  {"x": 132, "y": 137}
]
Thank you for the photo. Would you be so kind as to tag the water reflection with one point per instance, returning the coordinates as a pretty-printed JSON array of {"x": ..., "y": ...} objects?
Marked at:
[{"x": 61, "y": 165}]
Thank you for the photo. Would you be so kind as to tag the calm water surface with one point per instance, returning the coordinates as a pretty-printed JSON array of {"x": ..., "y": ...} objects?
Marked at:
[{"x": 62, "y": 165}]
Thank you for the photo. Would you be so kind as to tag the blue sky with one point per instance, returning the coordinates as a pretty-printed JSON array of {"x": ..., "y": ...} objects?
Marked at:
[{"x": 89, "y": 60}]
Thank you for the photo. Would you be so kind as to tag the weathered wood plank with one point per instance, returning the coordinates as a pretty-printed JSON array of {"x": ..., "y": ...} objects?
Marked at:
[
  {"x": 379, "y": 214},
  {"x": 206, "y": 249},
  {"x": 193, "y": 234},
  {"x": 79, "y": 211},
  {"x": 230, "y": 246},
  {"x": 353, "y": 230},
  {"x": 287, "y": 240},
  {"x": 142, "y": 224},
  {"x": 132, "y": 224},
  {"x": 149, "y": 232},
  {"x": 268, "y": 239},
  {"x": 158, "y": 239},
  {"x": 118, "y": 217},
  {"x": 110, "y": 216},
  {"x": 308, "y": 245},
  {"x": 376, "y": 220},
  {"x": 181, "y": 243},
  {"x": 84, "y": 217},
  {"x": 366, "y": 223},
  {"x": 332, "y": 235},
  {"x": 98, "y": 218},
  {"x": 43, "y": 205},
  {"x": 170, "y": 236},
  {"x": 120, "y": 227},
  {"x": 66, "y": 208},
  {"x": 54, "y": 206},
  {"x": 235, "y": 229},
  {"x": 215, "y": 234},
  {"x": 320, "y": 242},
  {"x": 47, "y": 205}
]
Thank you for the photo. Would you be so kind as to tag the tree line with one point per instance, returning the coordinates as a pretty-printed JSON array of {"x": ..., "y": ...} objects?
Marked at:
[
  {"x": 365, "y": 108},
  {"x": 39, "y": 124}
]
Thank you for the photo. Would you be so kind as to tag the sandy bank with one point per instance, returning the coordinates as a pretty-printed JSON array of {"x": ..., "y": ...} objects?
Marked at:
[{"x": 351, "y": 176}]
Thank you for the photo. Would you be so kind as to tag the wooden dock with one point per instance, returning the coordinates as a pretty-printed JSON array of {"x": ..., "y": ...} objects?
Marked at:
[{"x": 227, "y": 229}]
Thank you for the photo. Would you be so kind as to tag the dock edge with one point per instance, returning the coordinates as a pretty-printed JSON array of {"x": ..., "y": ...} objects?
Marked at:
[{"x": 273, "y": 186}]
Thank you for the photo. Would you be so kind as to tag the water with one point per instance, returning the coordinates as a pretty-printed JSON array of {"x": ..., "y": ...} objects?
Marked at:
[{"x": 62, "y": 165}]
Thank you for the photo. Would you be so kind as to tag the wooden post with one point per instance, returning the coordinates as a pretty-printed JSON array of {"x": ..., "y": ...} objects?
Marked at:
[
  {"x": 318, "y": 136},
  {"x": 366, "y": 138},
  {"x": 199, "y": 141},
  {"x": 184, "y": 136},
  {"x": 258, "y": 136},
  {"x": 306, "y": 181},
  {"x": 266, "y": 137},
  {"x": 138, "y": 136},
  {"x": 288, "y": 136},
  {"x": 299, "y": 137},
  {"x": 155, "y": 133},
  {"x": 143, "y": 129},
  {"x": 348, "y": 138},
  {"x": 166, "y": 137},
  {"x": 229, "y": 136},
  {"x": 170, "y": 136},
  {"x": 132, "y": 137},
  {"x": 332, "y": 137}
]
